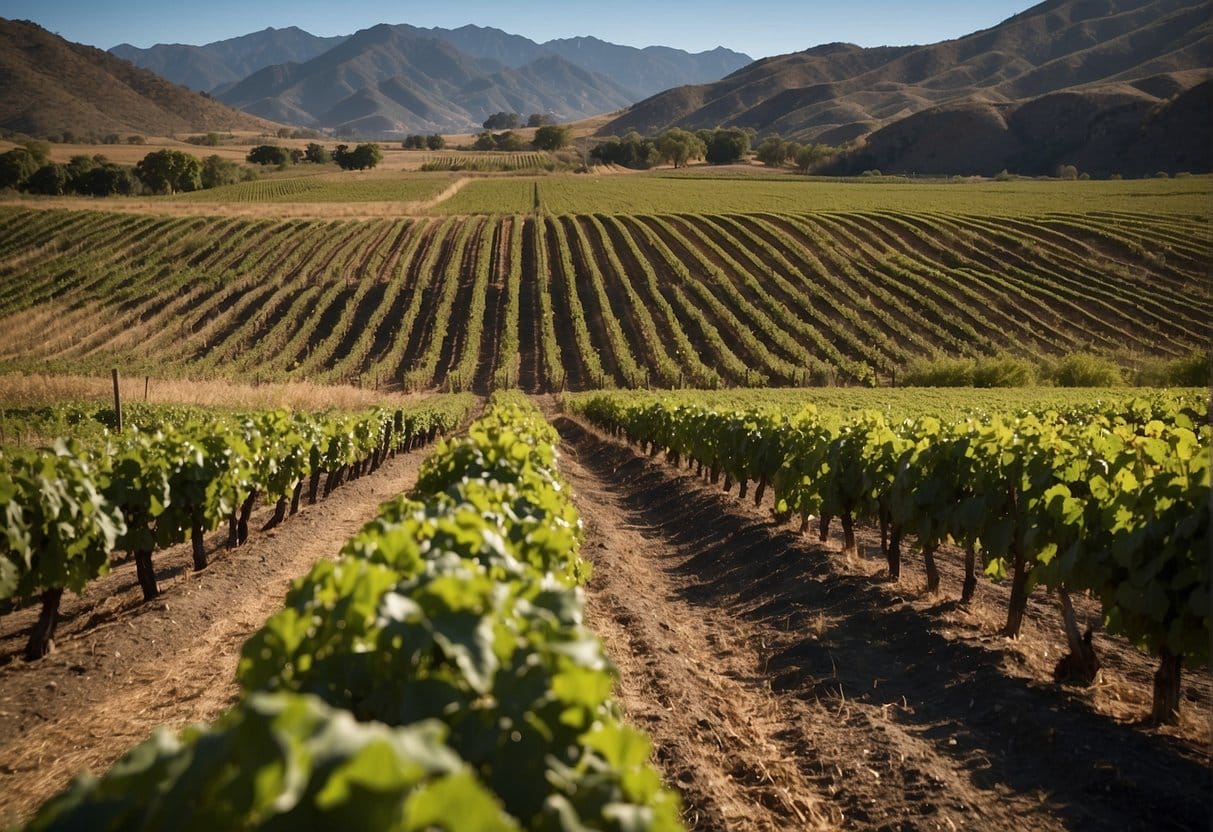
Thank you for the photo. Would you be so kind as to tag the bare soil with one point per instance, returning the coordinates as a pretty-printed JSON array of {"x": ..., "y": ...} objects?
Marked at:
[
  {"x": 786, "y": 686},
  {"x": 121, "y": 666}
]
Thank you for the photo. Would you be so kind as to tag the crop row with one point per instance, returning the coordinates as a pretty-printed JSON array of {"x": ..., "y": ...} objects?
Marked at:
[
  {"x": 437, "y": 675},
  {"x": 586, "y": 302},
  {"x": 69, "y": 509},
  {"x": 1113, "y": 501}
]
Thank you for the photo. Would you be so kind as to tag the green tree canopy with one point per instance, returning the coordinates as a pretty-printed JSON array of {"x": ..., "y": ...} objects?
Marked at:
[
  {"x": 632, "y": 151},
  {"x": 435, "y": 141},
  {"x": 727, "y": 146},
  {"x": 269, "y": 154},
  {"x": 16, "y": 166},
  {"x": 50, "y": 179},
  {"x": 680, "y": 146},
  {"x": 317, "y": 154},
  {"x": 218, "y": 171},
  {"x": 551, "y": 137},
  {"x": 809, "y": 155},
  {"x": 106, "y": 180},
  {"x": 169, "y": 171},
  {"x": 502, "y": 121},
  {"x": 362, "y": 157},
  {"x": 772, "y": 152}
]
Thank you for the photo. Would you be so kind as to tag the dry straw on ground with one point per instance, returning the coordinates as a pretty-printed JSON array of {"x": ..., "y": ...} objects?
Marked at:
[{"x": 35, "y": 389}]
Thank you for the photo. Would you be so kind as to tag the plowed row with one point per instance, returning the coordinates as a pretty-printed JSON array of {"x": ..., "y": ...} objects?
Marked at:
[{"x": 581, "y": 302}]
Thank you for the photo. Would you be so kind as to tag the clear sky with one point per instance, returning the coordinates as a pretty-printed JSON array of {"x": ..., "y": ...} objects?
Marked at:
[{"x": 770, "y": 27}]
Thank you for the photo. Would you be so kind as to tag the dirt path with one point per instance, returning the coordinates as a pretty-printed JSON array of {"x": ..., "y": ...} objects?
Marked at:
[
  {"x": 123, "y": 667},
  {"x": 785, "y": 688},
  {"x": 447, "y": 192}
]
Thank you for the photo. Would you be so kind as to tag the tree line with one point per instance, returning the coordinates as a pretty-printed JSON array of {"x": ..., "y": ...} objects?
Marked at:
[
  {"x": 29, "y": 168},
  {"x": 722, "y": 146}
]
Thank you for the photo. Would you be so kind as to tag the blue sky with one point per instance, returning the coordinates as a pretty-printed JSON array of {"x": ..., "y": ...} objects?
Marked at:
[{"x": 772, "y": 27}]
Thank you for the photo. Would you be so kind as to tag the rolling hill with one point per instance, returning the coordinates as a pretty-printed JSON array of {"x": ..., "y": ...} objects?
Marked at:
[
  {"x": 836, "y": 93},
  {"x": 52, "y": 86}
]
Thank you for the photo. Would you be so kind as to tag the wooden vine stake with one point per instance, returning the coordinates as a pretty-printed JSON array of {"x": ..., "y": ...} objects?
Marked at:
[{"x": 117, "y": 400}]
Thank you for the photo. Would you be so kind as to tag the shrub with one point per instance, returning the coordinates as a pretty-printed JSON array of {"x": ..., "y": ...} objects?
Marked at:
[
  {"x": 1004, "y": 371},
  {"x": 942, "y": 371},
  {"x": 1083, "y": 369},
  {"x": 1192, "y": 370}
]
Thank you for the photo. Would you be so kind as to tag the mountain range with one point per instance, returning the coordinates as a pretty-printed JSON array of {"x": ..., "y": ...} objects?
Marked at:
[
  {"x": 221, "y": 64},
  {"x": 1110, "y": 86},
  {"x": 393, "y": 79},
  {"x": 1105, "y": 55}
]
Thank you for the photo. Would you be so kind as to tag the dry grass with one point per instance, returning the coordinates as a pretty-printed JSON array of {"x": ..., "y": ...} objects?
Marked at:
[
  {"x": 163, "y": 206},
  {"x": 35, "y": 389}
]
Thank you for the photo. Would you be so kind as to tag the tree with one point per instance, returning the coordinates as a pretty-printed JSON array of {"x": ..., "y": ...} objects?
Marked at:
[
  {"x": 772, "y": 152},
  {"x": 413, "y": 141},
  {"x": 78, "y": 167},
  {"x": 16, "y": 166},
  {"x": 169, "y": 171},
  {"x": 316, "y": 154},
  {"x": 810, "y": 155},
  {"x": 50, "y": 179},
  {"x": 362, "y": 157},
  {"x": 632, "y": 151},
  {"x": 539, "y": 119},
  {"x": 218, "y": 171},
  {"x": 435, "y": 141},
  {"x": 484, "y": 141},
  {"x": 727, "y": 146},
  {"x": 107, "y": 179},
  {"x": 502, "y": 121},
  {"x": 551, "y": 137},
  {"x": 509, "y": 140},
  {"x": 269, "y": 154},
  {"x": 680, "y": 146}
]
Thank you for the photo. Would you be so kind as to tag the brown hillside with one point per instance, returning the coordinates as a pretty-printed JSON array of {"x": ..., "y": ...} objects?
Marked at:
[
  {"x": 841, "y": 92},
  {"x": 50, "y": 86},
  {"x": 1101, "y": 131}
]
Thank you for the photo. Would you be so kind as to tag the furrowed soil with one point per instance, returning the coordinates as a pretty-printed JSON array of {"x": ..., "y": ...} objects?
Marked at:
[
  {"x": 121, "y": 666},
  {"x": 786, "y": 686}
]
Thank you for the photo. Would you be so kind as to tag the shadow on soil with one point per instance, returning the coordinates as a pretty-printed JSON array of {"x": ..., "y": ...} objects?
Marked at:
[{"x": 851, "y": 637}]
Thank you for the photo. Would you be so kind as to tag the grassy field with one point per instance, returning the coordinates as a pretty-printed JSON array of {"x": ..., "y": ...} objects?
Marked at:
[
  {"x": 344, "y": 187},
  {"x": 656, "y": 192}
]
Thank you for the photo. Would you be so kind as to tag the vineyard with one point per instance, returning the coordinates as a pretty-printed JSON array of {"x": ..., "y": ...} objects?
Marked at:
[
  {"x": 602, "y": 502},
  {"x": 483, "y": 162},
  {"x": 577, "y": 302}
]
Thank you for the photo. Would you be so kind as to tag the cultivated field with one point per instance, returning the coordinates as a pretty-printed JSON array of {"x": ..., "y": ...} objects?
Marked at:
[
  {"x": 908, "y": 670},
  {"x": 578, "y": 301}
]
